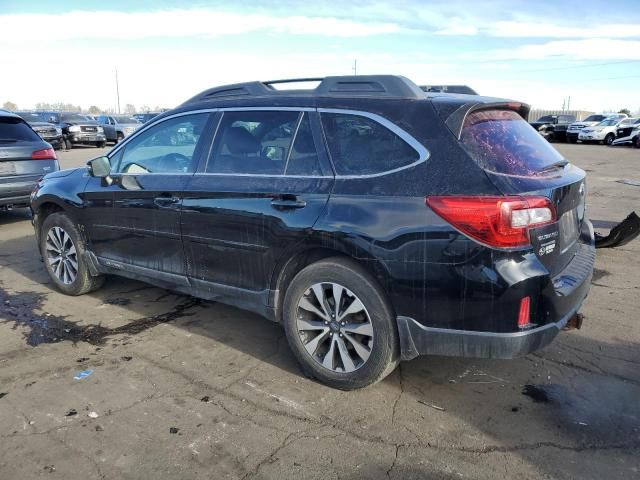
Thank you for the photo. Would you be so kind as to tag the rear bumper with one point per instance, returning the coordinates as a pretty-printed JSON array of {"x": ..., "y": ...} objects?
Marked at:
[
  {"x": 562, "y": 297},
  {"x": 416, "y": 339}
]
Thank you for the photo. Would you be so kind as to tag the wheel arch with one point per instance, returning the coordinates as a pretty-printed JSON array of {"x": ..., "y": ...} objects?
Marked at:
[{"x": 288, "y": 268}]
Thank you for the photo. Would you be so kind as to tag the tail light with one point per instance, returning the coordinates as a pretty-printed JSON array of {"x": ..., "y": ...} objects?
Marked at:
[
  {"x": 500, "y": 222},
  {"x": 44, "y": 154}
]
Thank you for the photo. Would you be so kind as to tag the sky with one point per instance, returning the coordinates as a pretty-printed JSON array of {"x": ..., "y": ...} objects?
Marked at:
[{"x": 540, "y": 52}]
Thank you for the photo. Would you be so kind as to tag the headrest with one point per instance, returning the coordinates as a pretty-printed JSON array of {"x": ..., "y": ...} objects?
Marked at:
[{"x": 239, "y": 141}]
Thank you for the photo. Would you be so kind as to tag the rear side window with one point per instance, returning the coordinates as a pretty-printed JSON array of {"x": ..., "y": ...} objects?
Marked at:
[
  {"x": 253, "y": 142},
  {"x": 501, "y": 141},
  {"x": 360, "y": 146},
  {"x": 16, "y": 129}
]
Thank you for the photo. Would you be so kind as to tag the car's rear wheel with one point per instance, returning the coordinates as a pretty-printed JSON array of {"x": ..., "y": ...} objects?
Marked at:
[
  {"x": 608, "y": 140},
  {"x": 340, "y": 325},
  {"x": 636, "y": 141},
  {"x": 119, "y": 137},
  {"x": 68, "y": 144},
  {"x": 63, "y": 252},
  {"x": 101, "y": 144}
]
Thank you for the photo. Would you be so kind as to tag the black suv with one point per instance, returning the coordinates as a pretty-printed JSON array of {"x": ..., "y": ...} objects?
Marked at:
[
  {"x": 76, "y": 129},
  {"x": 374, "y": 220}
]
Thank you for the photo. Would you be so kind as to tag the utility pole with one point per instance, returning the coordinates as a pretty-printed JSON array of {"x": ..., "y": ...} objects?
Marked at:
[
  {"x": 569, "y": 103},
  {"x": 355, "y": 66},
  {"x": 118, "y": 91}
]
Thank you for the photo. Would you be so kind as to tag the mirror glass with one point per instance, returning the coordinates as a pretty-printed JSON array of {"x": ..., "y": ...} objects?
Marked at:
[{"x": 100, "y": 167}]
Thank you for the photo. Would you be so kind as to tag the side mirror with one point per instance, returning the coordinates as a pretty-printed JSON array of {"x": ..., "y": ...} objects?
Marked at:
[
  {"x": 99, "y": 167},
  {"x": 274, "y": 153}
]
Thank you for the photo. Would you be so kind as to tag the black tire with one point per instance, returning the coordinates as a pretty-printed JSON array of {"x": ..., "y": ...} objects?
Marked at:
[
  {"x": 101, "y": 144},
  {"x": 636, "y": 141},
  {"x": 68, "y": 144},
  {"x": 571, "y": 140},
  {"x": 119, "y": 137},
  {"x": 608, "y": 140},
  {"x": 384, "y": 354},
  {"x": 84, "y": 282}
]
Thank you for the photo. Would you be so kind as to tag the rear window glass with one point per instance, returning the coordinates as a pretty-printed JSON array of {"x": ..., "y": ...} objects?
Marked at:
[
  {"x": 502, "y": 142},
  {"x": 361, "y": 146},
  {"x": 16, "y": 129}
]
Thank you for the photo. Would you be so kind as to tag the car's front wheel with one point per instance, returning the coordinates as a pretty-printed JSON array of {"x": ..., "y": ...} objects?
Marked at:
[
  {"x": 340, "y": 325},
  {"x": 62, "y": 250},
  {"x": 608, "y": 140}
]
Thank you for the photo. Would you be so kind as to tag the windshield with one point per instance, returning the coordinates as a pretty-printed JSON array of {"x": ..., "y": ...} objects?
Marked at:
[
  {"x": 547, "y": 118},
  {"x": 609, "y": 122},
  {"x": 594, "y": 118},
  {"x": 501, "y": 141},
  {"x": 73, "y": 117},
  {"x": 126, "y": 120}
]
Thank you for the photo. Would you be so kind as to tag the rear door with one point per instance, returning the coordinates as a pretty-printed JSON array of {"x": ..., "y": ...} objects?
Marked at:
[
  {"x": 264, "y": 186},
  {"x": 134, "y": 219},
  {"x": 20, "y": 168}
]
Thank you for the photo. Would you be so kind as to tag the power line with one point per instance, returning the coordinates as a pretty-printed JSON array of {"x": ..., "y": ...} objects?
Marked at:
[{"x": 579, "y": 66}]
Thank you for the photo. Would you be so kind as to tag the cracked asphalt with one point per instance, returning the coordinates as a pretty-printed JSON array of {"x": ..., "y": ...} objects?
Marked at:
[{"x": 181, "y": 388}]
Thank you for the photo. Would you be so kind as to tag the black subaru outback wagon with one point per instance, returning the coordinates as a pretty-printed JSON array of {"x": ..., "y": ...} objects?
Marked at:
[{"x": 374, "y": 220}]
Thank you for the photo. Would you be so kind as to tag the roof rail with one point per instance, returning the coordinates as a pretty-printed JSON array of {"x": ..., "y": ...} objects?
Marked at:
[
  {"x": 362, "y": 85},
  {"x": 449, "y": 89}
]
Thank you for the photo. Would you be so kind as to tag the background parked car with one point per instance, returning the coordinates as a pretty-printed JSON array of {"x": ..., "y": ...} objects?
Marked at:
[
  {"x": 24, "y": 159},
  {"x": 574, "y": 129},
  {"x": 628, "y": 133},
  {"x": 76, "y": 129},
  {"x": 553, "y": 127},
  {"x": 118, "y": 127},
  {"x": 603, "y": 132},
  {"x": 47, "y": 131},
  {"x": 145, "y": 117}
]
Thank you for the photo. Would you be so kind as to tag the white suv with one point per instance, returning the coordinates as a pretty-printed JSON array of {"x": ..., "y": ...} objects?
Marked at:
[
  {"x": 576, "y": 127},
  {"x": 604, "y": 132}
]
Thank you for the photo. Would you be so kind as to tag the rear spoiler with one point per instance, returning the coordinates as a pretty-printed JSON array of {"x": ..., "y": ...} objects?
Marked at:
[{"x": 454, "y": 113}]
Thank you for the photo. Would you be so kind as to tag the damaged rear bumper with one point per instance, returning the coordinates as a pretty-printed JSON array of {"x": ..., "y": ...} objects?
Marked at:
[{"x": 417, "y": 339}]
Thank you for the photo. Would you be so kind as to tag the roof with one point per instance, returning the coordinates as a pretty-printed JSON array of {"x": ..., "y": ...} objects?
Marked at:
[
  {"x": 377, "y": 86},
  {"x": 6, "y": 113}
]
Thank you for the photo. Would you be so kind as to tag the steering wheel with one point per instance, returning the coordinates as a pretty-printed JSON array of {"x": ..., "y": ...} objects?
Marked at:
[{"x": 174, "y": 162}]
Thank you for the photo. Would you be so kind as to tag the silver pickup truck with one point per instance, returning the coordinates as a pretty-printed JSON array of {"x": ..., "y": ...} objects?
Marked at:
[{"x": 117, "y": 127}]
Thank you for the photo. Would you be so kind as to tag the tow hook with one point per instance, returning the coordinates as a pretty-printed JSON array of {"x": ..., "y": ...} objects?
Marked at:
[{"x": 575, "y": 322}]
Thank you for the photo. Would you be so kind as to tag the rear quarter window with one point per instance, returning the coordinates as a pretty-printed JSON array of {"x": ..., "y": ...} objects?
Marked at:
[
  {"x": 501, "y": 141},
  {"x": 361, "y": 146},
  {"x": 16, "y": 129}
]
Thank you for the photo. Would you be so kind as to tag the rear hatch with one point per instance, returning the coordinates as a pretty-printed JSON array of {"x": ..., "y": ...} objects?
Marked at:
[
  {"x": 24, "y": 157},
  {"x": 521, "y": 163}
]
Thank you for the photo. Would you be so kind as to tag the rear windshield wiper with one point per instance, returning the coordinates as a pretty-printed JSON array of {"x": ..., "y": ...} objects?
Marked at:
[{"x": 555, "y": 165}]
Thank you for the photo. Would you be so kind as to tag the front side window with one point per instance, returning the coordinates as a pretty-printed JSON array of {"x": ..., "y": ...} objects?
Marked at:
[
  {"x": 359, "y": 145},
  {"x": 253, "y": 142},
  {"x": 168, "y": 147},
  {"x": 501, "y": 141}
]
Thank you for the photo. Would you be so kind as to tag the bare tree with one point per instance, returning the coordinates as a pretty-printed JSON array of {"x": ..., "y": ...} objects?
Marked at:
[
  {"x": 12, "y": 107},
  {"x": 93, "y": 110},
  {"x": 625, "y": 111}
]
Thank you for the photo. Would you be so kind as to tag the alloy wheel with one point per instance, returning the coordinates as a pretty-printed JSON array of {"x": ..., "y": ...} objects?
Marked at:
[
  {"x": 334, "y": 327},
  {"x": 61, "y": 255}
]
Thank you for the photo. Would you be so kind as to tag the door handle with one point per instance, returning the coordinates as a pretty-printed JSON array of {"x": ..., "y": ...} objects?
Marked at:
[
  {"x": 164, "y": 201},
  {"x": 283, "y": 202}
]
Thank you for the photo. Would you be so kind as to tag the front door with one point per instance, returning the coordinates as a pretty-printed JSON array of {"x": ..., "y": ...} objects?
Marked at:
[
  {"x": 262, "y": 189},
  {"x": 136, "y": 213}
]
